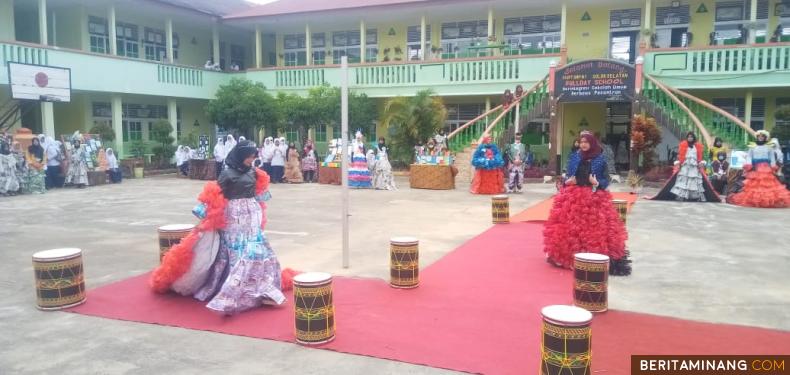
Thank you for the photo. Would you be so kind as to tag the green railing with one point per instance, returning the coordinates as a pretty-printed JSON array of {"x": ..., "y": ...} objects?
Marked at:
[
  {"x": 718, "y": 60},
  {"x": 23, "y": 54},
  {"x": 179, "y": 75},
  {"x": 483, "y": 70},
  {"x": 385, "y": 75},
  {"x": 470, "y": 132},
  {"x": 683, "y": 120},
  {"x": 305, "y": 78}
]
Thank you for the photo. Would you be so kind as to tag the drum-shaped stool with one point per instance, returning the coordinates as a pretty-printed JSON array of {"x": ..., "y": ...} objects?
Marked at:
[{"x": 60, "y": 282}]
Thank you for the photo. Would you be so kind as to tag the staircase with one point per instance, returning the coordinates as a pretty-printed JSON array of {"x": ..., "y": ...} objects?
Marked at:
[
  {"x": 497, "y": 123},
  {"x": 11, "y": 112},
  {"x": 681, "y": 113}
]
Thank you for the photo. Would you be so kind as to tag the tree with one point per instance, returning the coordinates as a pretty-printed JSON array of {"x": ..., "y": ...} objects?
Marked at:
[
  {"x": 242, "y": 105},
  {"x": 411, "y": 120},
  {"x": 104, "y": 131},
  {"x": 164, "y": 148},
  {"x": 362, "y": 113},
  {"x": 645, "y": 137}
]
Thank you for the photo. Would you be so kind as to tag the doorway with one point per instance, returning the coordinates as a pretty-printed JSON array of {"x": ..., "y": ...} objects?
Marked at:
[{"x": 622, "y": 45}]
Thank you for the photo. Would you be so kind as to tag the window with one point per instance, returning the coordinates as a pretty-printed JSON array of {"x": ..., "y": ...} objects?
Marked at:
[
  {"x": 127, "y": 40},
  {"x": 295, "y": 52},
  {"x": 132, "y": 131},
  {"x": 671, "y": 27},
  {"x": 459, "y": 114},
  {"x": 413, "y": 42},
  {"x": 780, "y": 102},
  {"x": 320, "y": 133},
  {"x": 737, "y": 108},
  {"x": 292, "y": 135},
  {"x": 731, "y": 19},
  {"x": 97, "y": 29},
  {"x": 460, "y": 38},
  {"x": 155, "y": 44},
  {"x": 318, "y": 46},
  {"x": 371, "y": 45},
  {"x": 336, "y": 132},
  {"x": 533, "y": 35},
  {"x": 237, "y": 56},
  {"x": 346, "y": 43},
  {"x": 624, "y": 19}
]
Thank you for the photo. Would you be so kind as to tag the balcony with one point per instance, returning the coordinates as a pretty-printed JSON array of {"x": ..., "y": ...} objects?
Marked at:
[
  {"x": 742, "y": 66},
  {"x": 112, "y": 74},
  {"x": 476, "y": 76}
]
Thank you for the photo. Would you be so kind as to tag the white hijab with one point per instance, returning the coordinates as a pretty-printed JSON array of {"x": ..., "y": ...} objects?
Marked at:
[
  {"x": 267, "y": 151},
  {"x": 230, "y": 143},
  {"x": 219, "y": 150},
  {"x": 112, "y": 161}
]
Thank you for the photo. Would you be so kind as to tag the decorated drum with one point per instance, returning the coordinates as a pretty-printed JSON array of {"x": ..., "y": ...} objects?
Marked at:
[
  {"x": 313, "y": 308},
  {"x": 590, "y": 281},
  {"x": 565, "y": 345},
  {"x": 404, "y": 262},
  {"x": 60, "y": 282},
  {"x": 500, "y": 209},
  {"x": 622, "y": 208},
  {"x": 170, "y": 235}
]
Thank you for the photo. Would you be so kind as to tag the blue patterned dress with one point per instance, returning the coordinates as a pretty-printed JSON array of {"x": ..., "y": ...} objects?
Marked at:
[{"x": 245, "y": 273}]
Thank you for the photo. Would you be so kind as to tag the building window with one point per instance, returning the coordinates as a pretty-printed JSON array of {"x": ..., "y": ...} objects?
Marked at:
[
  {"x": 221, "y": 53},
  {"x": 737, "y": 108},
  {"x": 295, "y": 52},
  {"x": 318, "y": 47},
  {"x": 731, "y": 19},
  {"x": 346, "y": 43},
  {"x": 413, "y": 42},
  {"x": 97, "y": 29},
  {"x": 371, "y": 45},
  {"x": 671, "y": 27},
  {"x": 127, "y": 40},
  {"x": 132, "y": 131},
  {"x": 155, "y": 45},
  {"x": 237, "y": 56},
  {"x": 460, "y": 39},
  {"x": 459, "y": 114},
  {"x": 320, "y": 133},
  {"x": 292, "y": 135},
  {"x": 336, "y": 132},
  {"x": 533, "y": 35}
]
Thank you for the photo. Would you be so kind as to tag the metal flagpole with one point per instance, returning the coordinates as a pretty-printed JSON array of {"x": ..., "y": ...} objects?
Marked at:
[{"x": 344, "y": 153}]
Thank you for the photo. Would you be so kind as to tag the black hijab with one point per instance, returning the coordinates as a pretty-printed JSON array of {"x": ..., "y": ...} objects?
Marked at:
[
  {"x": 36, "y": 150},
  {"x": 691, "y": 144},
  {"x": 238, "y": 154}
]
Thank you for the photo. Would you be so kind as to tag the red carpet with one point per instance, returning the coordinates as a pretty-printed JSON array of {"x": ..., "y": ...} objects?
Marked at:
[
  {"x": 540, "y": 211},
  {"x": 477, "y": 310}
]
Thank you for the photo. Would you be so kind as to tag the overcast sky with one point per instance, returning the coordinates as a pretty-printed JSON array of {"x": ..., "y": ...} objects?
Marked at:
[{"x": 261, "y": 1}]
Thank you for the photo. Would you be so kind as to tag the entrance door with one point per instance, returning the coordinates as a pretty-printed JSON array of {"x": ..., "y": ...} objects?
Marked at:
[{"x": 622, "y": 45}]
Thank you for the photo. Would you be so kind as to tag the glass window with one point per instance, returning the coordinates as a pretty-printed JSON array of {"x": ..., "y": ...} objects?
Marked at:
[
  {"x": 413, "y": 42},
  {"x": 533, "y": 34},
  {"x": 126, "y": 40},
  {"x": 459, "y": 37},
  {"x": 459, "y": 114},
  {"x": 320, "y": 133},
  {"x": 336, "y": 130},
  {"x": 237, "y": 56},
  {"x": 97, "y": 30},
  {"x": 132, "y": 131},
  {"x": 731, "y": 19},
  {"x": 346, "y": 43},
  {"x": 625, "y": 18}
]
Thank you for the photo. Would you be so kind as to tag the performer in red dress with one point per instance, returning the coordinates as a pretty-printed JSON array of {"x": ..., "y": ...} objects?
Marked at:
[
  {"x": 582, "y": 217},
  {"x": 489, "y": 176}
]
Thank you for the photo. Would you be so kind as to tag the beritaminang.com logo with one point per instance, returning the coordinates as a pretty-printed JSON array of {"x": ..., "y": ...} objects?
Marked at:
[{"x": 710, "y": 364}]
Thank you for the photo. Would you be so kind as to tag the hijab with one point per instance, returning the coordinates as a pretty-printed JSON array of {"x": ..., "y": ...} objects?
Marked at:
[
  {"x": 238, "y": 154},
  {"x": 595, "y": 147},
  {"x": 717, "y": 142},
  {"x": 36, "y": 150},
  {"x": 112, "y": 161},
  {"x": 694, "y": 141}
]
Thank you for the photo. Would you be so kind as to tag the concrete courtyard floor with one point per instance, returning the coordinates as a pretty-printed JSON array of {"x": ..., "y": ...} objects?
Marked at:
[{"x": 706, "y": 262}]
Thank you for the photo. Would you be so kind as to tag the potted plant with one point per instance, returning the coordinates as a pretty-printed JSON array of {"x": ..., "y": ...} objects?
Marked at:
[
  {"x": 635, "y": 182},
  {"x": 398, "y": 51},
  {"x": 137, "y": 149}
]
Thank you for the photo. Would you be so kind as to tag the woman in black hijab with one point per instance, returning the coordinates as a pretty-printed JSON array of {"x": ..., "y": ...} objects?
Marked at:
[{"x": 37, "y": 164}]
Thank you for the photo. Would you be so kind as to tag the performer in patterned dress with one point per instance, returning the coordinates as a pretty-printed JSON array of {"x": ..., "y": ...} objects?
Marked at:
[
  {"x": 689, "y": 182},
  {"x": 309, "y": 162},
  {"x": 227, "y": 260},
  {"x": 489, "y": 177},
  {"x": 358, "y": 173}
]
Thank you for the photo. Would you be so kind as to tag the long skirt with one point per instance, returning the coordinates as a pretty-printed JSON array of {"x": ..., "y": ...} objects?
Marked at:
[
  {"x": 34, "y": 181},
  {"x": 358, "y": 173},
  {"x": 762, "y": 189},
  {"x": 245, "y": 273},
  {"x": 583, "y": 221},
  {"x": 293, "y": 173},
  {"x": 488, "y": 181}
]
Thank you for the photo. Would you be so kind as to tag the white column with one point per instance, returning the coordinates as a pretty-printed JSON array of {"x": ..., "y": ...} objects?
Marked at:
[
  {"x": 48, "y": 119},
  {"x": 362, "y": 42},
  {"x": 112, "y": 30},
  {"x": 491, "y": 30},
  {"x": 169, "y": 39},
  {"x": 753, "y": 21},
  {"x": 117, "y": 124},
  {"x": 258, "y": 48},
  {"x": 308, "y": 45},
  {"x": 648, "y": 21},
  {"x": 422, "y": 38},
  {"x": 172, "y": 117},
  {"x": 215, "y": 42},
  {"x": 42, "y": 22},
  {"x": 563, "y": 22}
]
